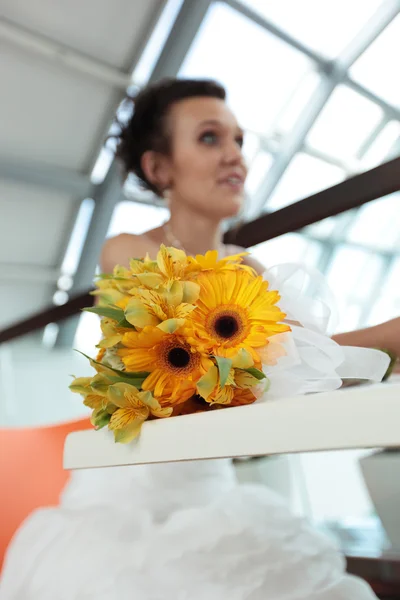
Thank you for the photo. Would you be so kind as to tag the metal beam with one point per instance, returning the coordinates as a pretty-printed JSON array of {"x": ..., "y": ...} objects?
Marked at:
[
  {"x": 347, "y": 166},
  {"x": 332, "y": 74},
  {"x": 180, "y": 39},
  {"x": 106, "y": 196},
  {"x": 365, "y": 146},
  {"x": 64, "y": 55},
  {"x": 391, "y": 111},
  {"x": 263, "y": 22},
  {"x": 42, "y": 175},
  {"x": 292, "y": 144},
  {"x": 109, "y": 193},
  {"x": 382, "y": 17}
]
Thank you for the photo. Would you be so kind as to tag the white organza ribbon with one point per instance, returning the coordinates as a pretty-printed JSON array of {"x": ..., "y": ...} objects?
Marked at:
[{"x": 313, "y": 362}]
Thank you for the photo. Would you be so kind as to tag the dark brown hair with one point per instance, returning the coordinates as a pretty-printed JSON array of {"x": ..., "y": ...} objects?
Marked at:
[{"x": 147, "y": 127}]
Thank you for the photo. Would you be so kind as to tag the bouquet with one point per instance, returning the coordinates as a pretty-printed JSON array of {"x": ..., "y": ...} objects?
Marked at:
[{"x": 181, "y": 334}]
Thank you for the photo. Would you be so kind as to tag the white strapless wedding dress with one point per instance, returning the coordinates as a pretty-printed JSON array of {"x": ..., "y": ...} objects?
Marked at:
[
  {"x": 189, "y": 531},
  {"x": 183, "y": 531}
]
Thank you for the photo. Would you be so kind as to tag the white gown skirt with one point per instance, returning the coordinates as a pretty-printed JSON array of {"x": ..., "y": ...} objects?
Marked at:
[
  {"x": 183, "y": 531},
  {"x": 190, "y": 531}
]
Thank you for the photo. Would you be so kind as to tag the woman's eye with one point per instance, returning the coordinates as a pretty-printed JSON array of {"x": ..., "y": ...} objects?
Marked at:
[
  {"x": 209, "y": 138},
  {"x": 240, "y": 141}
]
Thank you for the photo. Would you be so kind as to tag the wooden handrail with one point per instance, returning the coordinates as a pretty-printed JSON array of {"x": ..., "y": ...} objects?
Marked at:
[
  {"x": 51, "y": 314},
  {"x": 349, "y": 194}
]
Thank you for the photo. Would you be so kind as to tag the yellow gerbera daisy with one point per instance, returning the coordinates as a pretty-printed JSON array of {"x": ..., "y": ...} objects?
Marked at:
[
  {"x": 174, "y": 366},
  {"x": 210, "y": 262},
  {"x": 235, "y": 310}
]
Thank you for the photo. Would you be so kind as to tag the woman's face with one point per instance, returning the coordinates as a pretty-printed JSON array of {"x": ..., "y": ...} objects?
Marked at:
[{"x": 205, "y": 169}]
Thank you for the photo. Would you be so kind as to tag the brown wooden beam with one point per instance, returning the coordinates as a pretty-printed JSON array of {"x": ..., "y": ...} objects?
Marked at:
[
  {"x": 351, "y": 193},
  {"x": 51, "y": 314}
]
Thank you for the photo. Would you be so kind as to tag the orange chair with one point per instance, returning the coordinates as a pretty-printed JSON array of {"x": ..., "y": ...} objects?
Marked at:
[{"x": 31, "y": 473}]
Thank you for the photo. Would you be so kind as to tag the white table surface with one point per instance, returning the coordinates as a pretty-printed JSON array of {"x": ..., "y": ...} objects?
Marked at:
[{"x": 357, "y": 417}]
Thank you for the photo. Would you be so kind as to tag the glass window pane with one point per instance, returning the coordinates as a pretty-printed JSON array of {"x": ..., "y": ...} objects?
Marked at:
[
  {"x": 387, "y": 305},
  {"x": 352, "y": 276},
  {"x": 292, "y": 247},
  {"x": 344, "y": 124},
  {"x": 257, "y": 172},
  {"x": 377, "y": 224},
  {"x": 376, "y": 67},
  {"x": 324, "y": 26},
  {"x": 77, "y": 240},
  {"x": 132, "y": 217},
  {"x": 305, "y": 175},
  {"x": 332, "y": 227},
  {"x": 156, "y": 42},
  {"x": 251, "y": 146},
  {"x": 382, "y": 148},
  {"x": 297, "y": 102},
  {"x": 259, "y": 71}
]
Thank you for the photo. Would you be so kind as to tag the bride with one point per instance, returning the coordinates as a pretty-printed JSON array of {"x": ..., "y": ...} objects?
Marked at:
[{"x": 179, "y": 531}]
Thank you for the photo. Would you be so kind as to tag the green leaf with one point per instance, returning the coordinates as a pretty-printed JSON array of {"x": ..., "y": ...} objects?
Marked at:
[
  {"x": 100, "y": 385},
  {"x": 133, "y": 374},
  {"x": 224, "y": 367},
  {"x": 124, "y": 323},
  {"x": 124, "y": 374},
  {"x": 105, "y": 276},
  {"x": 393, "y": 360},
  {"x": 116, "y": 314},
  {"x": 137, "y": 383},
  {"x": 256, "y": 373},
  {"x": 101, "y": 419}
]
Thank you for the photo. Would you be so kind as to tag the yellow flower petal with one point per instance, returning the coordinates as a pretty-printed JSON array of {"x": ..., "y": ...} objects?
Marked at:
[
  {"x": 150, "y": 280},
  {"x": 205, "y": 386},
  {"x": 109, "y": 342},
  {"x": 137, "y": 314},
  {"x": 119, "y": 394},
  {"x": 191, "y": 292},
  {"x": 81, "y": 385},
  {"x": 171, "y": 325},
  {"x": 245, "y": 380},
  {"x": 129, "y": 433},
  {"x": 173, "y": 296},
  {"x": 242, "y": 360},
  {"x": 100, "y": 384},
  {"x": 162, "y": 413}
]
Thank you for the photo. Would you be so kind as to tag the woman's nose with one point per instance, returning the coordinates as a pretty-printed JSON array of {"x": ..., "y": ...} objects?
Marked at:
[{"x": 233, "y": 153}]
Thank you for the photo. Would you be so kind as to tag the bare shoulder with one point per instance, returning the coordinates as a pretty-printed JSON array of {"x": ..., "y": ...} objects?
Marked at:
[
  {"x": 248, "y": 260},
  {"x": 120, "y": 249}
]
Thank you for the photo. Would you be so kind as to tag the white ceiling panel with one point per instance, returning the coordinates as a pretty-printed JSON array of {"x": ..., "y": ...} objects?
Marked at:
[
  {"x": 50, "y": 114},
  {"x": 109, "y": 30},
  {"x": 34, "y": 224},
  {"x": 20, "y": 300}
]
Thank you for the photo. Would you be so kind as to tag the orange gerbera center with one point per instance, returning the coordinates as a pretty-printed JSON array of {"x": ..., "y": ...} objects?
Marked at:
[
  {"x": 228, "y": 324},
  {"x": 175, "y": 356}
]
